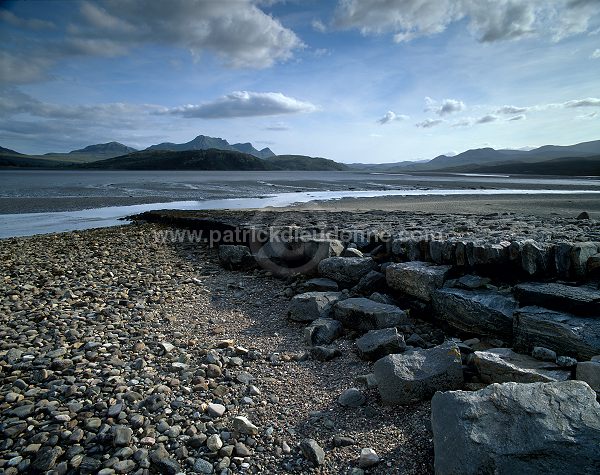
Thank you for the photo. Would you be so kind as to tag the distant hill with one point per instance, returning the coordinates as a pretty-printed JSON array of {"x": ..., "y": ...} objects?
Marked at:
[
  {"x": 574, "y": 166},
  {"x": 91, "y": 153},
  {"x": 302, "y": 162},
  {"x": 203, "y": 142},
  {"x": 8, "y": 151}
]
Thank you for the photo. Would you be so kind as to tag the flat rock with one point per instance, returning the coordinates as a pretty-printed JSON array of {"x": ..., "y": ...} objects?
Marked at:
[
  {"x": 376, "y": 344},
  {"x": 321, "y": 284},
  {"x": 479, "y": 312},
  {"x": 352, "y": 397},
  {"x": 346, "y": 270},
  {"x": 583, "y": 301},
  {"x": 322, "y": 331},
  {"x": 365, "y": 314},
  {"x": 512, "y": 428},
  {"x": 502, "y": 365},
  {"x": 417, "y": 375},
  {"x": 312, "y": 451},
  {"x": 589, "y": 371},
  {"x": 312, "y": 305},
  {"x": 563, "y": 333},
  {"x": 417, "y": 279}
]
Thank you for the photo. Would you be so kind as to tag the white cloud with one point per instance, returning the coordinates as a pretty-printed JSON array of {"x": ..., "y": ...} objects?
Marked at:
[
  {"x": 447, "y": 106},
  {"x": 591, "y": 115},
  {"x": 486, "y": 119},
  {"x": 391, "y": 116},
  {"x": 589, "y": 102},
  {"x": 517, "y": 117},
  {"x": 29, "y": 23},
  {"x": 278, "y": 127},
  {"x": 488, "y": 20},
  {"x": 245, "y": 104},
  {"x": 462, "y": 123},
  {"x": 511, "y": 110},
  {"x": 428, "y": 123},
  {"x": 319, "y": 26},
  {"x": 596, "y": 54}
]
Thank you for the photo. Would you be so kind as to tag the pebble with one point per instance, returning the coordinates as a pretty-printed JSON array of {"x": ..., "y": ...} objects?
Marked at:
[{"x": 368, "y": 458}]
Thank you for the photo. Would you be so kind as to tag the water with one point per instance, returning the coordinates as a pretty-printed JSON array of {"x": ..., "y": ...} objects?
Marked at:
[{"x": 63, "y": 190}]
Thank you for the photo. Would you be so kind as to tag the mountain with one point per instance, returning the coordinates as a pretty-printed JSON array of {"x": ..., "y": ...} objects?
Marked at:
[
  {"x": 574, "y": 166},
  {"x": 90, "y": 153},
  {"x": 302, "y": 162},
  {"x": 203, "y": 142},
  {"x": 8, "y": 151}
]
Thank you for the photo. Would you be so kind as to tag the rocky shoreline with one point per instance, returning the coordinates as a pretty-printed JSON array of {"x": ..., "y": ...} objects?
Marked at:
[{"x": 124, "y": 353}]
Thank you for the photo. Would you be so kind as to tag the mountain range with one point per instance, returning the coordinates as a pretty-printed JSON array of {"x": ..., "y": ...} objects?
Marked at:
[{"x": 211, "y": 153}]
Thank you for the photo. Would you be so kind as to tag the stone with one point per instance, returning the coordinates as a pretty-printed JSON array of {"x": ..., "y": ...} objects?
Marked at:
[
  {"x": 322, "y": 331},
  {"x": 242, "y": 425},
  {"x": 351, "y": 252},
  {"x": 589, "y": 371},
  {"x": 343, "y": 441},
  {"x": 580, "y": 253},
  {"x": 583, "y": 215},
  {"x": 46, "y": 459},
  {"x": 352, "y": 398},
  {"x": 368, "y": 458},
  {"x": 566, "y": 334},
  {"x": 376, "y": 344},
  {"x": 324, "y": 353},
  {"x": 479, "y": 312},
  {"x": 124, "y": 466},
  {"x": 346, "y": 270},
  {"x": 417, "y": 375},
  {"x": 365, "y": 314},
  {"x": 236, "y": 257},
  {"x": 215, "y": 410},
  {"x": 203, "y": 466},
  {"x": 321, "y": 284},
  {"x": 502, "y": 365},
  {"x": 122, "y": 436},
  {"x": 317, "y": 248},
  {"x": 417, "y": 279},
  {"x": 241, "y": 450},
  {"x": 214, "y": 443},
  {"x": 372, "y": 281},
  {"x": 583, "y": 301},
  {"x": 593, "y": 264},
  {"x": 164, "y": 463},
  {"x": 543, "y": 354},
  {"x": 310, "y": 306},
  {"x": 534, "y": 257},
  {"x": 566, "y": 362},
  {"x": 538, "y": 428},
  {"x": 472, "y": 282},
  {"x": 312, "y": 451}
]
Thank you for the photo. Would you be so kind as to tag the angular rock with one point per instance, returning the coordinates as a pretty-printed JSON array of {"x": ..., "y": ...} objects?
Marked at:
[
  {"x": 580, "y": 253},
  {"x": 244, "y": 426},
  {"x": 589, "y": 371},
  {"x": 368, "y": 458},
  {"x": 312, "y": 451},
  {"x": 535, "y": 257},
  {"x": 312, "y": 305},
  {"x": 480, "y": 312},
  {"x": 565, "y": 298},
  {"x": 236, "y": 257},
  {"x": 321, "y": 284},
  {"x": 372, "y": 281},
  {"x": 511, "y": 428},
  {"x": 417, "y": 279},
  {"x": 563, "y": 333},
  {"x": 417, "y": 375},
  {"x": 346, "y": 270},
  {"x": 352, "y": 398},
  {"x": 364, "y": 314},
  {"x": 543, "y": 354},
  {"x": 472, "y": 282},
  {"x": 318, "y": 248},
  {"x": 322, "y": 331},
  {"x": 376, "y": 344},
  {"x": 324, "y": 353},
  {"x": 502, "y": 365}
]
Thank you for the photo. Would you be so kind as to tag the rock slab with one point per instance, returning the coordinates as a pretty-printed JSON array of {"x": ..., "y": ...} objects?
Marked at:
[
  {"x": 376, "y": 344},
  {"x": 417, "y": 279},
  {"x": 365, "y": 314}
]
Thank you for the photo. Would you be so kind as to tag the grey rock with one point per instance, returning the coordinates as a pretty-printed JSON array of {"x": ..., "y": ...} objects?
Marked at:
[
  {"x": 346, "y": 270},
  {"x": 543, "y": 354},
  {"x": 236, "y": 257},
  {"x": 563, "y": 333},
  {"x": 312, "y": 305},
  {"x": 583, "y": 215},
  {"x": 164, "y": 463},
  {"x": 214, "y": 443},
  {"x": 472, "y": 282},
  {"x": 324, "y": 353},
  {"x": 352, "y": 398},
  {"x": 318, "y": 248},
  {"x": 417, "y": 279},
  {"x": 124, "y": 466},
  {"x": 321, "y": 284},
  {"x": 376, "y": 344},
  {"x": 589, "y": 371},
  {"x": 566, "y": 362},
  {"x": 203, "y": 466},
  {"x": 215, "y": 410},
  {"x": 351, "y": 252},
  {"x": 580, "y": 253},
  {"x": 368, "y": 458},
  {"x": 502, "y": 365},
  {"x": 365, "y": 314},
  {"x": 343, "y": 441},
  {"x": 46, "y": 459},
  {"x": 382, "y": 298},
  {"x": 417, "y": 375},
  {"x": 322, "y": 331},
  {"x": 535, "y": 257},
  {"x": 312, "y": 451},
  {"x": 479, "y": 312},
  {"x": 576, "y": 300},
  {"x": 244, "y": 426},
  {"x": 372, "y": 281},
  {"x": 538, "y": 428}
]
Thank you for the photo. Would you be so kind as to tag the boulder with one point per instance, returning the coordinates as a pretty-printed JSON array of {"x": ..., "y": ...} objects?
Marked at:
[
  {"x": 502, "y": 365},
  {"x": 312, "y": 305},
  {"x": 376, "y": 344},
  {"x": 321, "y": 284},
  {"x": 368, "y": 283},
  {"x": 565, "y": 298},
  {"x": 324, "y": 353},
  {"x": 480, "y": 312},
  {"x": 535, "y": 257},
  {"x": 472, "y": 282},
  {"x": 580, "y": 253},
  {"x": 236, "y": 257},
  {"x": 322, "y": 331},
  {"x": 417, "y": 279},
  {"x": 589, "y": 371},
  {"x": 346, "y": 270},
  {"x": 414, "y": 376},
  {"x": 312, "y": 451},
  {"x": 318, "y": 248},
  {"x": 365, "y": 314},
  {"x": 512, "y": 428},
  {"x": 563, "y": 333}
]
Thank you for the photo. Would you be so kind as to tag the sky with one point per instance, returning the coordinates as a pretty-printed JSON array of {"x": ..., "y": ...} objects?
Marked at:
[{"x": 367, "y": 81}]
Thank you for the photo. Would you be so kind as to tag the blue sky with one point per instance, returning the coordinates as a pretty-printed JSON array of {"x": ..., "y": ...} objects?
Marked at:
[{"x": 351, "y": 80}]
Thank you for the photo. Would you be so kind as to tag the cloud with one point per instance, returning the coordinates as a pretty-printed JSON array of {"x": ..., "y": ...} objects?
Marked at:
[
  {"x": 392, "y": 117},
  {"x": 28, "y": 23},
  {"x": 462, "y": 123},
  {"x": 517, "y": 117},
  {"x": 428, "y": 123},
  {"x": 278, "y": 127},
  {"x": 591, "y": 115},
  {"x": 595, "y": 54},
  {"x": 589, "y": 102},
  {"x": 318, "y": 25},
  {"x": 447, "y": 106},
  {"x": 488, "y": 20},
  {"x": 511, "y": 110},
  {"x": 486, "y": 119},
  {"x": 245, "y": 104}
]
